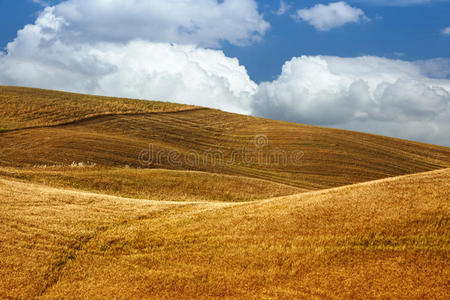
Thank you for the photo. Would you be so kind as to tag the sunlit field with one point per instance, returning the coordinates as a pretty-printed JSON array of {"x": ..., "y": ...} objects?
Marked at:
[{"x": 118, "y": 198}]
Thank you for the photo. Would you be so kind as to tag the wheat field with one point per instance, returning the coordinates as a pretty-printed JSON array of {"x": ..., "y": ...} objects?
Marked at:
[
  {"x": 379, "y": 239},
  {"x": 86, "y": 214},
  {"x": 314, "y": 157},
  {"x": 155, "y": 184}
]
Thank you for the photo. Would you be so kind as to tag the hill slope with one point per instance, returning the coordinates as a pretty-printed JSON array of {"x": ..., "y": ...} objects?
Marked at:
[
  {"x": 386, "y": 238},
  {"x": 46, "y": 128},
  {"x": 155, "y": 184}
]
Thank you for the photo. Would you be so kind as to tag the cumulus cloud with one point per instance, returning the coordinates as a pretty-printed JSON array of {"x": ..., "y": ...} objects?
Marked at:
[
  {"x": 326, "y": 17},
  {"x": 141, "y": 69},
  {"x": 201, "y": 22},
  {"x": 446, "y": 31},
  {"x": 372, "y": 94}
]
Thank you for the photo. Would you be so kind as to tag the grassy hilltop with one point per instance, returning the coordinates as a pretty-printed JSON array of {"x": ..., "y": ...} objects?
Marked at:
[{"x": 56, "y": 129}]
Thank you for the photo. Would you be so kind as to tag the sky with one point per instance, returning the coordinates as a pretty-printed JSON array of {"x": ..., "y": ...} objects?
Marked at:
[{"x": 378, "y": 66}]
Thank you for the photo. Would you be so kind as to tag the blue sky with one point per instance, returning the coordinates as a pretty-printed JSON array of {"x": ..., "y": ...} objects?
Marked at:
[
  {"x": 413, "y": 32},
  {"x": 407, "y": 32},
  {"x": 378, "y": 66}
]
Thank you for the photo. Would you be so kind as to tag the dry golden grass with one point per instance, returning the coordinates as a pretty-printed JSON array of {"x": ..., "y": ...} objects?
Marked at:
[
  {"x": 330, "y": 158},
  {"x": 42, "y": 230},
  {"x": 156, "y": 184},
  {"x": 383, "y": 239},
  {"x": 24, "y": 107}
]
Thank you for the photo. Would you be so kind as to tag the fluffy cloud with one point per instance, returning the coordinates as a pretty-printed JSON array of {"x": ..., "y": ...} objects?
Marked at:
[
  {"x": 371, "y": 94},
  {"x": 446, "y": 31},
  {"x": 201, "y": 22},
  {"x": 326, "y": 17},
  {"x": 39, "y": 57}
]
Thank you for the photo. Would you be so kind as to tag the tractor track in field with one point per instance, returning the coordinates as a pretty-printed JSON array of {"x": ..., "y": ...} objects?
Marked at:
[{"x": 100, "y": 116}]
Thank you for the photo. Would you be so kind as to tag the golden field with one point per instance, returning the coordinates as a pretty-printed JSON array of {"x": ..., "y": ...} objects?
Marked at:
[
  {"x": 317, "y": 157},
  {"x": 380, "y": 239},
  {"x": 28, "y": 108},
  {"x": 84, "y": 216},
  {"x": 156, "y": 184}
]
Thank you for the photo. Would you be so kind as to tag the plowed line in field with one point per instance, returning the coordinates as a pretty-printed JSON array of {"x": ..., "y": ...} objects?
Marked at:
[{"x": 99, "y": 116}]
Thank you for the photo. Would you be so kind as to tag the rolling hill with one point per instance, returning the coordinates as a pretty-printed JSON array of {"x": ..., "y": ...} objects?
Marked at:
[
  {"x": 47, "y": 128},
  {"x": 118, "y": 198}
]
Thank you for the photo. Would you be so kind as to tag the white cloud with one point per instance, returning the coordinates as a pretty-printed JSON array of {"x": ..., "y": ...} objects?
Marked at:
[
  {"x": 121, "y": 48},
  {"x": 326, "y": 17},
  {"x": 201, "y": 22},
  {"x": 446, "y": 31},
  {"x": 183, "y": 73},
  {"x": 372, "y": 94}
]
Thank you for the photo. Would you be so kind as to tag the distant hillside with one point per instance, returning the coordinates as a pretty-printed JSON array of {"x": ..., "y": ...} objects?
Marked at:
[{"x": 46, "y": 128}]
